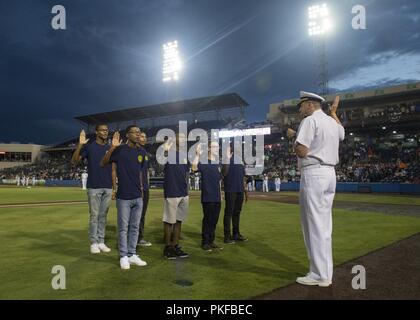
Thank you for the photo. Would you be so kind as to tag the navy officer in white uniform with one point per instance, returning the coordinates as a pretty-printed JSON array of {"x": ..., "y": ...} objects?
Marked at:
[{"x": 316, "y": 145}]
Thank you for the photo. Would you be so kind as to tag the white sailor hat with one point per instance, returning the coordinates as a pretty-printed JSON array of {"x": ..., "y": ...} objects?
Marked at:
[{"x": 308, "y": 96}]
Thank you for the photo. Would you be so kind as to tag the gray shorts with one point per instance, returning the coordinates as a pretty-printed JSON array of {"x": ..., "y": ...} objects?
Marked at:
[{"x": 175, "y": 209}]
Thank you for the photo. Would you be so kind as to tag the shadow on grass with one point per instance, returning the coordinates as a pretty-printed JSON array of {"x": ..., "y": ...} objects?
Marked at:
[
  {"x": 70, "y": 243},
  {"x": 288, "y": 268}
]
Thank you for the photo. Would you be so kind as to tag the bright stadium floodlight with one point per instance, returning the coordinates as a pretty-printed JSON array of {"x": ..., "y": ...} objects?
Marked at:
[
  {"x": 171, "y": 62},
  {"x": 319, "y": 20}
]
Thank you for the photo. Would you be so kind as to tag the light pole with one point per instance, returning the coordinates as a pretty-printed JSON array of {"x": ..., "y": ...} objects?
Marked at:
[{"x": 319, "y": 25}]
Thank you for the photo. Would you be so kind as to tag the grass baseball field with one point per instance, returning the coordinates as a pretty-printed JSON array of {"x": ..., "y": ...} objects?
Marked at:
[{"x": 34, "y": 238}]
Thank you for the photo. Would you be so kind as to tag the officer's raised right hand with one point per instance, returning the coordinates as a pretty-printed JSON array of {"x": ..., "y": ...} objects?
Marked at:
[{"x": 333, "y": 108}]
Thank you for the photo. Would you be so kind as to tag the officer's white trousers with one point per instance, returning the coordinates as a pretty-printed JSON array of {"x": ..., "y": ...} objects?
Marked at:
[{"x": 317, "y": 190}]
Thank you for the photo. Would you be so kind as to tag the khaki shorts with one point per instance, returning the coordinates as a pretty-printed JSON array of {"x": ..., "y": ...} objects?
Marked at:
[{"x": 175, "y": 209}]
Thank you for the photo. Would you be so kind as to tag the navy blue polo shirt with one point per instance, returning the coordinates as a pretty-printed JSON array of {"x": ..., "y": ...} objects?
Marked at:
[
  {"x": 98, "y": 177},
  {"x": 129, "y": 166},
  {"x": 175, "y": 181},
  {"x": 144, "y": 172},
  {"x": 234, "y": 181},
  {"x": 210, "y": 182}
]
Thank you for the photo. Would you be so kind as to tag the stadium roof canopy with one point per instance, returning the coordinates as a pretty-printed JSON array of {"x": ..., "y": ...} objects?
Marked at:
[{"x": 226, "y": 101}]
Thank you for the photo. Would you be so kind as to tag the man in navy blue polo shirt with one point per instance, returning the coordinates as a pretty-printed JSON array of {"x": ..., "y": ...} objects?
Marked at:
[
  {"x": 99, "y": 184},
  {"x": 176, "y": 200},
  {"x": 235, "y": 189},
  {"x": 129, "y": 159},
  {"x": 211, "y": 178}
]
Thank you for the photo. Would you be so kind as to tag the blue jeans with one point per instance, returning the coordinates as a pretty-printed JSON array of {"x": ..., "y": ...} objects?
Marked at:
[
  {"x": 99, "y": 201},
  {"x": 129, "y": 215}
]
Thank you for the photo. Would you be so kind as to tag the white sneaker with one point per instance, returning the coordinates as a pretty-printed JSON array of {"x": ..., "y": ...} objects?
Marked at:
[
  {"x": 124, "y": 263},
  {"x": 312, "y": 282},
  {"x": 103, "y": 247},
  {"x": 135, "y": 259},
  {"x": 94, "y": 248},
  {"x": 144, "y": 243}
]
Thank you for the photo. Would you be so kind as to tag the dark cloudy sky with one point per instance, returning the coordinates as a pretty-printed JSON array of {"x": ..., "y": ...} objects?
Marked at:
[{"x": 110, "y": 55}]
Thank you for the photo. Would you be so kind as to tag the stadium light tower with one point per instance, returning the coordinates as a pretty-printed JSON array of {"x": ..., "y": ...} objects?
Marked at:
[
  {"x": 171, "y": 62},
  {"x": 319, "y": 25}
]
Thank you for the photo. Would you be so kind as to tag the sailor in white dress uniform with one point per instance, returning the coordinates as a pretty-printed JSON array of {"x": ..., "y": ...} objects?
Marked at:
[{"x": 316, "y": 146}]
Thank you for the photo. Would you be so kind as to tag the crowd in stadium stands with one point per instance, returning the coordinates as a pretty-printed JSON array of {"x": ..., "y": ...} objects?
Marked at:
[
  {"x": 57, "y": 168},
  {"x": 393, "y": 110},
  {"x": 360, "y": 161}
]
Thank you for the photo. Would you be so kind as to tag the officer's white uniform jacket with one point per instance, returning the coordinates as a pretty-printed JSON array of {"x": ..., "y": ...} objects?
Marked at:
[{"x": 321, "y": 134}]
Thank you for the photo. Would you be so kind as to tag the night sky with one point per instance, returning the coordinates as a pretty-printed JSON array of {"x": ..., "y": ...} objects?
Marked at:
[{"x": 109, "y": 57}]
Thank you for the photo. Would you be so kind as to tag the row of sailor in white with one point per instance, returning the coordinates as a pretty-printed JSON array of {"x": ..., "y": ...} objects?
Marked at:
[{"x": 321, "y": 134}]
